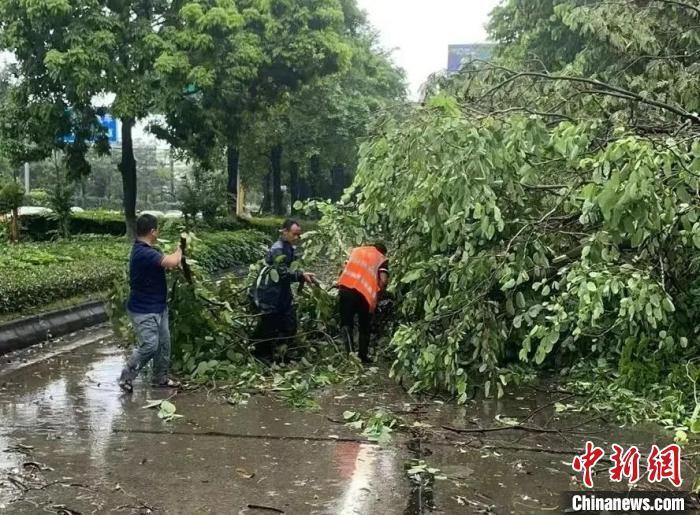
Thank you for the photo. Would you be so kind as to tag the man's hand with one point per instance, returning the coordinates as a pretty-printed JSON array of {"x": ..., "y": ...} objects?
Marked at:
[
  {"x": 310, "y": 278},
  {"x": 172, "y": 260}
]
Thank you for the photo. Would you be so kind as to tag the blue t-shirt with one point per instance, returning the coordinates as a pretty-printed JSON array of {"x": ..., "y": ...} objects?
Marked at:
[{"x": 149, "y": 288}]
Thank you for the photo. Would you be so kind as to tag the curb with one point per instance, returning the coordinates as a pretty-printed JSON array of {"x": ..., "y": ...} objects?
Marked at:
[{"x": 29, "y": 331}]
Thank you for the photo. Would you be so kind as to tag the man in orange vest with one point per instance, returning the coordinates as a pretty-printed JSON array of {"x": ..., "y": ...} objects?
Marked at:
[{"x": 365, "y": 275}]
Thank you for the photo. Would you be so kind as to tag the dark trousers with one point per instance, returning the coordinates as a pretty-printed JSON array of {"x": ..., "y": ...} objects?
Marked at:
[
  {"x": 274, "y": 329},
  {"x": 352, "y": 303}
]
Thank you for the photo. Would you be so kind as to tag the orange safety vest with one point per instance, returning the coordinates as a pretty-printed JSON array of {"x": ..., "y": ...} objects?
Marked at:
[{"x": 362, "y": 273}]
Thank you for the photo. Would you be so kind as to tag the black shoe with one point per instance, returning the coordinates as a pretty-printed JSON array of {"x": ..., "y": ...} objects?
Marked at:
[
  {"x": 126, "y": 385},
  {"x": 166, "y": 383}
]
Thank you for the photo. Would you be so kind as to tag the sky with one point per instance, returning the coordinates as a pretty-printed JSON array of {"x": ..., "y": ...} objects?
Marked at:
[{"x": 419, "y": 31}]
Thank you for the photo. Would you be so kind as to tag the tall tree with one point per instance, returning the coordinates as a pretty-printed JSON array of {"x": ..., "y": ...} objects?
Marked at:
[
  {"x": 67, "y": 54},
  {"x": 320, "y": 126},
  {"x": 268, "y": 48}
]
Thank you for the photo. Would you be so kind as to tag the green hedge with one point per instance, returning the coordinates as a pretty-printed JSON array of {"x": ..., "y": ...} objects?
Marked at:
[
  {"x": 223, "y": 250},
  {"x": 44, "y": 227},
  {"x": 98, "y": 222},
  {"x": 35, "y": 274},
  {"x": 269, "y": 225}
]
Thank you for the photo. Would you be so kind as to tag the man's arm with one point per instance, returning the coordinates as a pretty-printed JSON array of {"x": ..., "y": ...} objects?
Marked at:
[{"x": 172, "y": 260}]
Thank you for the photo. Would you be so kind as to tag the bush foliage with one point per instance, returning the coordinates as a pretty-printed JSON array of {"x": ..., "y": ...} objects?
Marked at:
[{"x": 34, "y": 274}]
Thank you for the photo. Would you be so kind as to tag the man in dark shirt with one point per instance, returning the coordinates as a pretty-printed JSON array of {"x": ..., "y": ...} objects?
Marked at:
[
  {"x": 273, "y": 295},
  {"x": 147, "y": 305}
]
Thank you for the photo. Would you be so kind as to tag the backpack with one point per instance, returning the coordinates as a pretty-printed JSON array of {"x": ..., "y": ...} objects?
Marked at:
[{"x": 264, "y": 292}]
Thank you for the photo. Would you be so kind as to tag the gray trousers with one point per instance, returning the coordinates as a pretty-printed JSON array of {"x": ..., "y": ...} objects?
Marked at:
[{"x": 153, "y": 335}]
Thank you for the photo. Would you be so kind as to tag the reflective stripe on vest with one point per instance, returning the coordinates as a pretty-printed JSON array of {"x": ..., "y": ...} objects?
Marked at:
[{"x": 361, "y": 273}]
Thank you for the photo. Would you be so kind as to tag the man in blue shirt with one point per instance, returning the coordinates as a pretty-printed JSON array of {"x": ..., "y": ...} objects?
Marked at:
[
  {"x": 147, "y": 305},
  {"x": 274, "y": 298}
]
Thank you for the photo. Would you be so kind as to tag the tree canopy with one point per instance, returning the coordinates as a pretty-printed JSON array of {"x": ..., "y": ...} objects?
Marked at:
[{"x": 205, "y": 67}]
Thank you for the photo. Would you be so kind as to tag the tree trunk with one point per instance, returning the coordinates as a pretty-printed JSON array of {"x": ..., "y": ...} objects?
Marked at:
[
  {"x": 294, "y": 183},
  {"x": 83, "y": 191},
  {"x": 127, "y": 167},
  {"x": 266, "y": 204},
  {"x": 14, "y": 226},
  {"x": 232, "y": 160},
  {"x": 314, "y": 175},
  {"x": 338, "y": 181},
  {"x": 172, "y": 177},
  {"x": 276, "y": 168},
  {"x": 304, "y": 190}
]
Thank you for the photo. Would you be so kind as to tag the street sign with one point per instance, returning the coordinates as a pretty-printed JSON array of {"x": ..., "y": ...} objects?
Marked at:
[
  {"x": 109, "y": 123},
  {"x": 456, "y": 54}
]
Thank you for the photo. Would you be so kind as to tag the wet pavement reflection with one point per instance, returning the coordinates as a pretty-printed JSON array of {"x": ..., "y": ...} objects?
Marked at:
[{"x": 107, "y": 453}]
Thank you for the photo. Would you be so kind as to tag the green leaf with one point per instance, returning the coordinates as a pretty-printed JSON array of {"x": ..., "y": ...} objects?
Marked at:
[
  {"x": 167, "y": 407},
  {"x": 152, "y": 404},
  {"x": 274, "y": 275},
  {"x": 695, "y": 426},
  {"x": 668, "y": 305},
  {"x": 508, "y": 285},
  {"x": 411, "y": 276}
]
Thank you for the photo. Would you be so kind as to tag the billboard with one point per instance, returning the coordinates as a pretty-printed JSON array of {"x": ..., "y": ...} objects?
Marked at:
[{"x": 457, "y": 53}]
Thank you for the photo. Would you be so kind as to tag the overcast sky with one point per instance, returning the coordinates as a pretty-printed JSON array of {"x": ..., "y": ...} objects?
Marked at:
[{"x": 420, "y": 30}]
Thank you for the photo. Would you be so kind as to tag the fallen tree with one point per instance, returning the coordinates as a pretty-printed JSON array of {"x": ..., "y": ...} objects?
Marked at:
[{"x": 545, "y": 213}]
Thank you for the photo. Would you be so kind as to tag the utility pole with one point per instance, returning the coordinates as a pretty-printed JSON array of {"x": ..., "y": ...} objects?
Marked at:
[{"x": 26, "y": 177}]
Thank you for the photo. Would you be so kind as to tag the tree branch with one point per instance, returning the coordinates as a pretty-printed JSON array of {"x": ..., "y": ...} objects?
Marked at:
[
  {"x": 607, "y": 89},
  {"x": 530, "y": 111},
  {"x": 680, "y": 4}
]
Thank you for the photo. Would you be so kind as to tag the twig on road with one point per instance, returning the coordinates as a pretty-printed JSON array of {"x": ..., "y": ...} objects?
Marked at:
[{"x": 261, "y": 507}]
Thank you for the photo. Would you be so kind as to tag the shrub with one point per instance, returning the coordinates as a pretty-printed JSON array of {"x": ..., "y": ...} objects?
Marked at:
[
  {"x": 35, "y": 274},
  {"x": 38, "y": 198},
  {"x": 44, "y": 227}
]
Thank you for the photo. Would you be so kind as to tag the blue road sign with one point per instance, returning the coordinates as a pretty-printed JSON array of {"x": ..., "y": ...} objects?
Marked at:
[{"x": 108, "y": 122}]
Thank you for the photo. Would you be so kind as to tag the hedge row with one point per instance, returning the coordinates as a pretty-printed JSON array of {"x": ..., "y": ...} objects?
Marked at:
[
  {"x": 223, "y": 250},
  {"x": 36, "y": 274},
  {"x": 269, "y": 225},
  {"x": 44, "y": 227}
]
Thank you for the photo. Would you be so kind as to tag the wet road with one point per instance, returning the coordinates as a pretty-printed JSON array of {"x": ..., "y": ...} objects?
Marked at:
[
  {"x": 69, "y": 440},
  {"x": 107, "y": 453}
]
